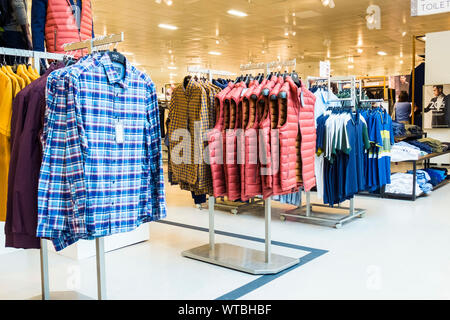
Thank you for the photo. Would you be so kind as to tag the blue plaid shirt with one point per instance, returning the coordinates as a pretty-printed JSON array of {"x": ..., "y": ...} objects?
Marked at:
[{"x": 91, "y": 186}]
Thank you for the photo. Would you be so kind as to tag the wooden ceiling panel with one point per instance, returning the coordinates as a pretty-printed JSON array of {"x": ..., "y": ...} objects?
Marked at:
[{"x": 260, "y": 36}]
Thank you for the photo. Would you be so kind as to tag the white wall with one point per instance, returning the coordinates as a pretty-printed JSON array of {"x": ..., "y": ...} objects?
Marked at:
[{"x": 437, "y": 71}]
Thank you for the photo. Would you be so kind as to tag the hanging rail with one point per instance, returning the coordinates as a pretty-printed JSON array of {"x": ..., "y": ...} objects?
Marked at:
[
  {"x": 267, "y": 66},
  {"x": 36, "y": 55},
  {"x": 92, "y": 44}
]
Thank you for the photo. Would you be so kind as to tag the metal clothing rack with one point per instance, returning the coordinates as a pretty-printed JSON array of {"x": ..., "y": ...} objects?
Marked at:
[
  {"x": 307, "y": 213},
  {"x": 349, "y": 79},
  {"x": 240, "y": 258},
  {"x": 36, "y": 55},
  {"x": 45, "y": 286},
  {"x": 91, "y": 45},
  {"x": 313, "y": 216},
  {"x": 234, "y": 207},
  {"x": 269, "y": 65},
  {"x": 209, "y": 72}
]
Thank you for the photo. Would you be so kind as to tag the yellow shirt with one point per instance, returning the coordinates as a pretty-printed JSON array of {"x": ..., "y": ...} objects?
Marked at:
[
  {"x": 33, "y": 71},
  {"x": 21, "y": 73},
  {"x": 11, "y": 73},
  {"x": 15, "y": 83},
  {"x": 6, "y": 97},
  {"x": 30, "y": 75}
]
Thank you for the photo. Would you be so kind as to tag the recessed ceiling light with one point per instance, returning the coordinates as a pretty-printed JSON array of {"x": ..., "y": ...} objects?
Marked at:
[
  {"x": 286, "y": 34},
  {"x": 172, "y": 68},
  {"x": 381, "y": 53},
  {"x": 360, "y": 50},
  {"x": 403, "y": 33},
  {"x": 169, "y": 2},
  {"x": 167, "y": 26},
  {"x": 351, "y": 66},
  {"x": 214, "y": 53},
  {"x": 217, "y": 41},
  {"x": 401, "y": 61},
  {"x": 237, "y": 13},
  {"x": 170, "y": 51}
]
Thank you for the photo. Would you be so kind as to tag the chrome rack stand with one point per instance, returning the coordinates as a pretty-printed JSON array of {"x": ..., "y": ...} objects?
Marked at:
[
  {"x": 337, "y": 220},
  {"x": 237, "y": 207},
  {"x": 240, "y": 258},
  {"x": 91, "y": 45},
  {"x": 234, "y": 207}
]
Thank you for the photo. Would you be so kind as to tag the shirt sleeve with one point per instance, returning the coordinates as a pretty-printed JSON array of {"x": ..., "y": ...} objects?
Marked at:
[
  {"x": 365, "y": 135},
  {"x": 38, "y": 18},
  {"x": 154, "y": 157},
  {"x": 76, "y": 148},
  {"x": 53, "y": 200},
  {"x": 391, "y": 131}
]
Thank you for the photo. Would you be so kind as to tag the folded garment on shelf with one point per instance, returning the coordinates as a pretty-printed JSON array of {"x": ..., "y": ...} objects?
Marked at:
[
  {"x": 402, "y": 183},
  {"x": 399, "y": 129},
  {"x": 403, "y": 151},
  {"x": 413, "y": 129},
  {"x": 437, "y": 176},
  {"x": 436, "y": 145},
  {"x": 423, "y": 146},
  {"x": 423, "y": 179}
]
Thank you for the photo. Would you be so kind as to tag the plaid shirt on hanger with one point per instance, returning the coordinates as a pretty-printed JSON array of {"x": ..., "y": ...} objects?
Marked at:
[{"x": 91, "y": 184}]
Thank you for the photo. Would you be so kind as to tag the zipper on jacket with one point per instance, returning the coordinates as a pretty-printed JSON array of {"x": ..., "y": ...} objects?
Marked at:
[{"x": 55, "y": 33}]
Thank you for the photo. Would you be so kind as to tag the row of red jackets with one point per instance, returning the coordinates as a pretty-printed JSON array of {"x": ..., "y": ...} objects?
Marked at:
[{"x": 264, "y": 139}]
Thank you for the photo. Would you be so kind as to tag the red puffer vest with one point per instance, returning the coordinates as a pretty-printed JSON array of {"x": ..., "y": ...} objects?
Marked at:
[
  {"x": 215, "y": 139},
  {"x": 308, "y": 136},
  {"x": 275, "y": 139},
  {"x": 288, "y": 131},
  {"x": 61, "y": 27},
  {"x": 250, "y": 173},
  {"x": 232, "y": 174},
  {"x": 264, "y": 141},
  {"x": 243, "y": 139}
]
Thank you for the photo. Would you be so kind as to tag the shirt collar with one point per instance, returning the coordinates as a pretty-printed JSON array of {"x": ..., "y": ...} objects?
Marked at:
[
  {"x": 111, "y": 73},
  {"x": 190, "y": 86}
]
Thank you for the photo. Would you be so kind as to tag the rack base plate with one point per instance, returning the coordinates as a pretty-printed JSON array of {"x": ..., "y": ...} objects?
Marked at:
[{"x": 242, "y": 259}]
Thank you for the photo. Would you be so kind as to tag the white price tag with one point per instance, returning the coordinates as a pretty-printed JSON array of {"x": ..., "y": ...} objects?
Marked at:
[{"x": 120, "y": 134}]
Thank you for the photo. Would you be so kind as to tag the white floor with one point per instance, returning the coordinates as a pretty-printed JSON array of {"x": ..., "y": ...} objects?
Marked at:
[{"x": 400, "y": 250}]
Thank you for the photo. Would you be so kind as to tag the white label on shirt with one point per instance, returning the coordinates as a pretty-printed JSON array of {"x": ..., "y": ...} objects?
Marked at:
[{"x": 120, "y": 136}]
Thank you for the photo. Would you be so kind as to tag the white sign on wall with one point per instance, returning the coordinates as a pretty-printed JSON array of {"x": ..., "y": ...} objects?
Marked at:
[
  {"x": 325, "y": 69},
  {"x": 427, "y": 7}
]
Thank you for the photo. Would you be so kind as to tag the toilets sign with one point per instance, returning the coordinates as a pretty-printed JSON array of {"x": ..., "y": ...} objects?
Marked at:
[{"x": 427, "y": 7}]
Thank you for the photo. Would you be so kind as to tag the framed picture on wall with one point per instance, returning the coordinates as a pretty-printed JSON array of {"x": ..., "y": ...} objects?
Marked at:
[{"x": 436, "y": 106}]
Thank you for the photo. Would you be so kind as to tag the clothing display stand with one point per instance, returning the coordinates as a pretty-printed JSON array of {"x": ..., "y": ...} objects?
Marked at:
[
  {"x": 234, "y": 207},
  {"x": 240, "y": 258},
  {"x": 45, "y": 286},
  {"x": 91, "y": 46},
  {"x": 336, "y": 219},
  {"x": 307, "y": 213}
]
